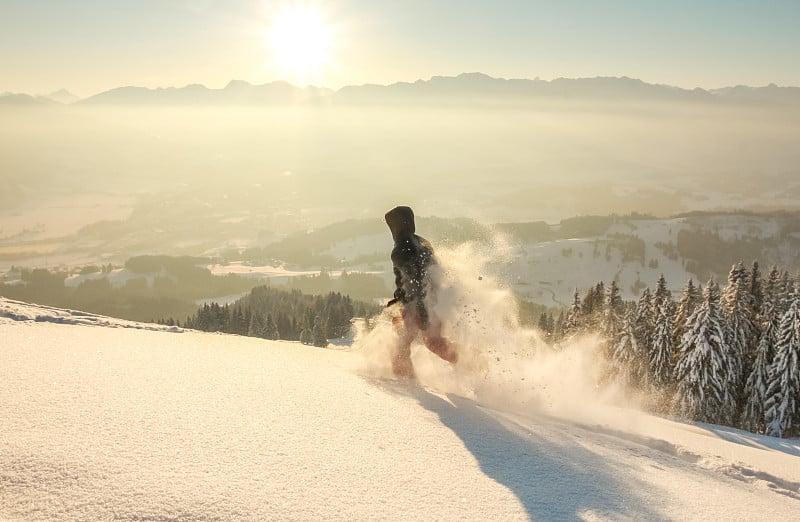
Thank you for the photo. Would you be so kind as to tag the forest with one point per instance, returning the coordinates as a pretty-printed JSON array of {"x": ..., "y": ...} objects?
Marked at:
[
  {"x": 727, "y": 355},
  {"x": 272, "y": 313}
]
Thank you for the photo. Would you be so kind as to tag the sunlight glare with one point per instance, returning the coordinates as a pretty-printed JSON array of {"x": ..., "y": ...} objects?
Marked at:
[{"x": 300, "y": 41}]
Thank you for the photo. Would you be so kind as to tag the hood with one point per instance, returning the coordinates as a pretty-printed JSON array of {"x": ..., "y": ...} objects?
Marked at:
[{"x": 401, "y": 222}]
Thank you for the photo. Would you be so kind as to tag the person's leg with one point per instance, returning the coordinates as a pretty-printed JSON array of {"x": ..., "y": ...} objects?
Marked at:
[
  {"x": 407, "y": 329},
  {"x": 439, "y": 345}
]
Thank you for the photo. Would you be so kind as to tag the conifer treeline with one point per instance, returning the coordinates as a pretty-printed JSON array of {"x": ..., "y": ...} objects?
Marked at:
[
  {"x": 270, "y": 313},
  {"x": 726, "y": 356}
]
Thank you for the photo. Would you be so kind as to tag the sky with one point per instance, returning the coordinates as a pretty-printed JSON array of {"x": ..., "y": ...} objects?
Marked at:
[{"x": 88, "y": 46}]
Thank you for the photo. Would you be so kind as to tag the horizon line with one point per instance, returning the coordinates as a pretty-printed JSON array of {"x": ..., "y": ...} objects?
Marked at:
[{"x": 398, "y": 82}]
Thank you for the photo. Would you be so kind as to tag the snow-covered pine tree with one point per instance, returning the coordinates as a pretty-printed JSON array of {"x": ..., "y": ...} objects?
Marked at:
[
  {"x": 592, "y": 307},
  {"x": 642, "y": 323},
  {"x": 587, "y": 305},
  {"x": 574, "y": 322},
  {"x": 755, "y": 389},
  {"x": 690, "y": 299},
  {"x": 661, "y": 354},
  {"x": 628, "y": 356},
  {"x": 612, "y": 318},
  {"x": 786, "y": 290},
  {"x": 772, "y": 288},
  {"x": 661, "y": 295},
  {"x": 756, "y": 293},
  {"x": 782, "y": 415},
  {"x": 703, "y": 372},
  {"x": 737, "y": 309},
  {"x": 599, "y": 297},
  {"x": 775, "y": 292}
]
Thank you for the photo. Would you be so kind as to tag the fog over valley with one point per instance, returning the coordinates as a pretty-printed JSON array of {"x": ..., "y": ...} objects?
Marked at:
[{"x": 287, "y": 167}]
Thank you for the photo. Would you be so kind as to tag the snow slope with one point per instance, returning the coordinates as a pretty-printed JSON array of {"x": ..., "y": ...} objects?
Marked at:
[{"x": 133, "y": 424}]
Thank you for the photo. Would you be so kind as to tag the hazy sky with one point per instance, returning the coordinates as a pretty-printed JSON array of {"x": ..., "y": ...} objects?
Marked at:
[{"x": 88, "y": 46}]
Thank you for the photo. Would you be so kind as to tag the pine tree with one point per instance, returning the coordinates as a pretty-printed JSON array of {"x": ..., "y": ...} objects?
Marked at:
[
  {"x": 599, "y": 296},
  {"x": 625, "y": 350},
  {"x": 542, "y": 324},
  {"x": 612, "y": 319},
  {"x": 782, "y": 405},
  {"x": 703, "y": 372},
  {"x": 587, "y": 305},
  {"x": 574, "y": 322},
  {"x": 256, "y": 326},
  {"x": 736, "y": 307},
  {"x": 318, "y": 333},
  {"x": 755, "y": 390},
  {"x": 238, "y": 324},
  {"x": 643, "y": 325},
  {"x": 284, "y": 327},
  {"x": 756, "y": 292},
  {"x": 270, "y": 328},
  {"x": 773, "y": 290},
  {"x": 690, "y": 299},
  {"x": 785, "y": 291},
  {"x": 627, "y": 354},
  {"x": 661, "y": 354},
  {"x": 592, "y": 307},
  {"x": 661, "y": 295}
]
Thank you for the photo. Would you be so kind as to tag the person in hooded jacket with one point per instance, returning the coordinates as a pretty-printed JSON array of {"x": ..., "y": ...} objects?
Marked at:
[{"x": 412, "y": 257}]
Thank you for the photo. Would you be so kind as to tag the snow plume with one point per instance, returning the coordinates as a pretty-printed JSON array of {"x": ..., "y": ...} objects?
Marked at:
[{"x": 501, "y": 362}]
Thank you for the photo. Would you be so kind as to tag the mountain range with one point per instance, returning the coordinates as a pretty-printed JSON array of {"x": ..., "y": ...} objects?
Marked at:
[{"x": 466, "y": 88}]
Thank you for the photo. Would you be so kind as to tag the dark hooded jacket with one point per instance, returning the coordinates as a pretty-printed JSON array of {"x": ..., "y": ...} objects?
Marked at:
[{"x": 411, "y": 257}]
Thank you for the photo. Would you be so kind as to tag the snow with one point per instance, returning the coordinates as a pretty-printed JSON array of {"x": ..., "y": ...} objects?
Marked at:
[
  {"x": 545, "y": 275},
  {"x": 106, "y": 422},
  {"x": 118, "y": 277},
  {"x": 268, "y": 271},
  {"x": 365, "y": 245},
  {"x": 19, "y": 311}
]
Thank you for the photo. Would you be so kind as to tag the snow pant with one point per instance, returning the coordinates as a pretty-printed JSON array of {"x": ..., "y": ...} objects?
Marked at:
[{"x": 409, "y": 326}]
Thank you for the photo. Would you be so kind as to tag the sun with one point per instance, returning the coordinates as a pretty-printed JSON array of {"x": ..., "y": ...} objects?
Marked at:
[{"x": 300, "y": 40}]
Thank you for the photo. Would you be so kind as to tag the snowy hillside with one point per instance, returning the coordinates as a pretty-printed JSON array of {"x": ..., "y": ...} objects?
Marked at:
[
  {"x": 134, "y": 424},
  {"x": 633, "y": 252}
]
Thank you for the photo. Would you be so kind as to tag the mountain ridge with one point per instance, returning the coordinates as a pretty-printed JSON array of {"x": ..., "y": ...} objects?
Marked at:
[{"x": 466, "y": 87}]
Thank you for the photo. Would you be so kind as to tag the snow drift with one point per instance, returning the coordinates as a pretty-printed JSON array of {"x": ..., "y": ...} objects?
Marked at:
[{"x": 132, "y": 424}]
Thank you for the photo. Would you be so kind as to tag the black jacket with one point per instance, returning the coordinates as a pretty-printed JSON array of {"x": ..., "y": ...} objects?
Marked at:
[{"x": 411, "y": 256}]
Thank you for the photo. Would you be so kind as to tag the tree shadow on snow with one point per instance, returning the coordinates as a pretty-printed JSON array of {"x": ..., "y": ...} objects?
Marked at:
[{"x": 553, "y": 480}]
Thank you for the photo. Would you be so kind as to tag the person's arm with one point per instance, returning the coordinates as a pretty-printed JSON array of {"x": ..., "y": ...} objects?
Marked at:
[{"x": 399, "y": 293}]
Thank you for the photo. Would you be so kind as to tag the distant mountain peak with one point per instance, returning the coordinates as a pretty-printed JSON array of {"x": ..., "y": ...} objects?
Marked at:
[
  {"x": 18, "y": 99},
  {"x": 62, "y": 96},
  {"x": 238, "y": 84}
]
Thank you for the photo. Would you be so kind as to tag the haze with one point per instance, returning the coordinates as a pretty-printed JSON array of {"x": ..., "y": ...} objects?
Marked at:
[
  {"x": 266, "y": 158},
  {"x": 324, "y": 163}
]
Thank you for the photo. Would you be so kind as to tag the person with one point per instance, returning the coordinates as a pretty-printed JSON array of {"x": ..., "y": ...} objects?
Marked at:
[{"x": 412, "y": 259}]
